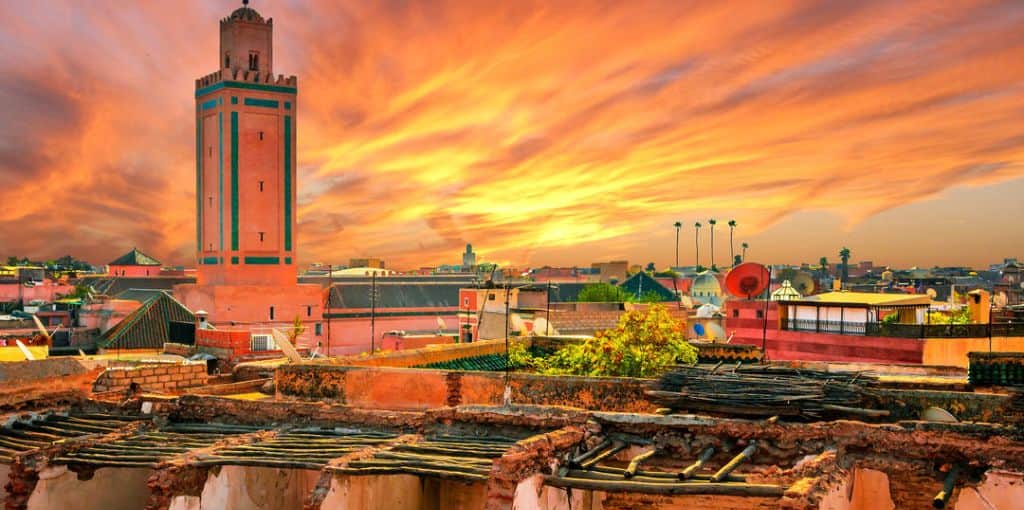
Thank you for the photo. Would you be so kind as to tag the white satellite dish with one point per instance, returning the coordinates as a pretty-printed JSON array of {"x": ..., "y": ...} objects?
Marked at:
[
  {"x": 1000, "y": 300},
  {"x": 516, "y": 324},
  {"x": 440, "y": 324},
  {"x": 687, "y": 302},
  {"x": 542, "y": 327},
  {"x": 938, "y": 414}
]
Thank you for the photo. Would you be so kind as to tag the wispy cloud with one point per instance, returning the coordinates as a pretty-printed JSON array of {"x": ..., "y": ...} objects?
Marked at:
[{"x": 523, "y": 127}]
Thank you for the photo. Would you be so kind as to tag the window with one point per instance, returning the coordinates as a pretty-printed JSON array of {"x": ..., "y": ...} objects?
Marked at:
[
  {"x": 254, "y": 61},
  {"x": 261, "y": 185},
  {"x": 261, "y": 236},
  {"x": 309, "y": 311},
  {"x": 261, "y": 135},
  {"x": 735, "y": 312},
  {"x": 465, "y": 301},
  {"x": 227, "y": 60},
  {"x": 760, "y": 314},
  {"x": 211, "y": 200},
  {"x": 210, "y": 151},
  {"x": 271, "y": 313},
  {"x": 490, "y": 297},
  {"x": 319, "y": 328}
]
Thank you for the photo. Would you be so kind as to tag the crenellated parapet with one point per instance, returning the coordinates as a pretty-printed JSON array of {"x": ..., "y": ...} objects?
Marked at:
[
  {"x": 248, "y": 15},
  {"x": 247, "y": 76}
]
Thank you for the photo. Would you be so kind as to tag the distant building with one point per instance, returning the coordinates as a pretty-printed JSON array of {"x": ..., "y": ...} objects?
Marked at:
[
  {"x": 468, "y": 258},
  {"x": 613, "y": 270},
  {"x": 366, "y": 262},
  {"x": 134, "y": 263}
]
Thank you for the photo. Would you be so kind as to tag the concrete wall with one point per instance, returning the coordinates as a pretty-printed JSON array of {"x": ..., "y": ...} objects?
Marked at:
[
  {"x": 351, "y": 335},
  {"x": 257, "y": 488},
  {"x": 108, "y": 489},
  {"x": 403, "y": 491},
  {"x": 811, "y": 346}
]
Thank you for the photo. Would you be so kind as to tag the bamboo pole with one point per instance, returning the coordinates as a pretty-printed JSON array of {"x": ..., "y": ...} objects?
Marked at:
[
  {"x": 735, "y": 462},
  {"x": 948, "y": 485},
  {"x": 635, "y": 463},
  {"x": 691, "y": 470},
  {"x": 590, "y": 453},
  {"x": 675, "y": 488},
  {"x": 604, "y": 455}
]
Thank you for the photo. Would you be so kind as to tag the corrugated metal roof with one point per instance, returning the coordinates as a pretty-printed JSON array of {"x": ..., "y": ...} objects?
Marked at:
[
  {"x": 396, "y": 295},
  {"x": 147, "y": 327}
]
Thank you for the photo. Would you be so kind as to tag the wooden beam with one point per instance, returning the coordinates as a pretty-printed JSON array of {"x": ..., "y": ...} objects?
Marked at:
[
  {"x": 675, "y": 488},
  {"x": 604, "y": 455},
  {"x": 948, "y": 485},
  {"x": 692, "y": 469},
  {"x": 635, "y": 463},
  {"x": 735, "y": 462}
]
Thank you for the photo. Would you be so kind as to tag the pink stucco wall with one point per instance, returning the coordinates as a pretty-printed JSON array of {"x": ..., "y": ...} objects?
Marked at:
[
  {"x": 352, "y": 335},
  {"x": 135, "y": 271},
  {"x": 46, "y": 291}
]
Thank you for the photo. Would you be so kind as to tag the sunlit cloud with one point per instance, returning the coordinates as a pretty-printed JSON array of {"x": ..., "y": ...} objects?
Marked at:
[{"x": 540, "y": 132}]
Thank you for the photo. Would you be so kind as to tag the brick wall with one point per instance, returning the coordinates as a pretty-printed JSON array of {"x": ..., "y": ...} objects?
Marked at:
[{"x": 154, "y": 377}]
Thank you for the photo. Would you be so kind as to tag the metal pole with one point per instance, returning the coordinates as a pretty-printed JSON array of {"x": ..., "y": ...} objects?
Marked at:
[
  {"x": 373, "y": 310},
  {"x": 330, "y": 289},
  {"x": 764, "y": 327},
  {"x": 990, "y": 324},
  {"x": 547, "y": 312},
  {"x": 508, "y": 359}
]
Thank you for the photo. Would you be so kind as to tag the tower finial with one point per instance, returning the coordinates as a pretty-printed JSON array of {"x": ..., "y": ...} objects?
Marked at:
[{"x": 245, "y": 2}]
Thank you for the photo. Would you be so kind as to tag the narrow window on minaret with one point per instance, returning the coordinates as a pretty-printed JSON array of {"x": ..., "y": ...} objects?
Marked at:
[
  {"x": 261, "y": 135},
  {"x": 261, "y": 237},
  {"x": 211, "y": 151},
  {"x": 211, "y": 246},
  {"x": 254, "y": 61},
  {"x": 211, "y": 200},
  {"x": 271, "y": 313},
  {"x": 261, "y": 185},
  {"x": 227, "y": 60}
]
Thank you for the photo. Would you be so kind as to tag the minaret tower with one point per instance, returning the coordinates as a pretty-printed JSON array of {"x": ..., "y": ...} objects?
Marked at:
[{"x": 245, "y": 164}]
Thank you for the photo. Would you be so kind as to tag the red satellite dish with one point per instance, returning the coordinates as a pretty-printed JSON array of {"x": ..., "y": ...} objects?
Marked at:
[{"x": 747, "y": 280}]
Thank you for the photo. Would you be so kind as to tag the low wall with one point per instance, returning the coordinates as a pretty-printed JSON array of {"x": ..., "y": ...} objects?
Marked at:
[
  {"x": 426, "y": 355},
  {"x": 953, "y": 351},
  {"x": 159, "y": 377},
  {"x": 786, "y": 345},
  {"x": 421, "y": 389}
]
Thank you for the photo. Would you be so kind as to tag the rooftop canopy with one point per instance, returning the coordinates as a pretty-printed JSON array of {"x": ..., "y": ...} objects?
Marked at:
[{"x": 865, "y": 299}]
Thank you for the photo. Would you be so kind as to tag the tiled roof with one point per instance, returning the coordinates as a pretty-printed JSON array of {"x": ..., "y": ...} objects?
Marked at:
[
  {"x": 148, "y": 326},
  {"x": 396, "y": 295},
  {"x": 135, "y": 258},
  {"x": 642, "y": 283},
  {"x": 484, "y": 363}
]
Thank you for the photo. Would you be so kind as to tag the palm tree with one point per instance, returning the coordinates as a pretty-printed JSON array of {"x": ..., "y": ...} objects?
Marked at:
[
  {"x": 844, "y": 254},
  {"x": 745, "y": 246},
  {"x": 712, "y": 222},
  {"x": 823, "y": 262},
  {"x": 696, "y": 241},
  {"x": 732, "y": 250},
  {"x": 678, "y": 226}
]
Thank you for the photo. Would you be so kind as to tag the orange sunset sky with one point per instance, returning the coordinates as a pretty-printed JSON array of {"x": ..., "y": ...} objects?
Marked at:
[{"x": 558, "y": 132}]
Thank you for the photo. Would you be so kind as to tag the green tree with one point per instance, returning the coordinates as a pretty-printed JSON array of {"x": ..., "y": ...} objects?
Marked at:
[
  {"x": 823, "y": 262},
  {"x": 844, "y": 254},
  {"x": 603, "y": 293},
  {"x": 644, "y": 343},
  {"x": 677, "y": 225},
  {"x": 713, "y": 222},
  {"x": 696, "y": 241},
  {"x": 732, "y": 247}
]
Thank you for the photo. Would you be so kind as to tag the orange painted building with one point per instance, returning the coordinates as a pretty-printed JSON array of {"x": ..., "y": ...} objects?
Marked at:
[{"x": 246, "y": 242}]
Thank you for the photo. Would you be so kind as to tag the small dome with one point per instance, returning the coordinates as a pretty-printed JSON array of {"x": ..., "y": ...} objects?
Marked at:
[{"x": 246, "y": 13}]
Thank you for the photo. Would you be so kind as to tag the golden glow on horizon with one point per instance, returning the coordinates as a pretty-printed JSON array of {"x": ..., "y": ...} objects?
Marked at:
[{"x": 540, "y": 133}]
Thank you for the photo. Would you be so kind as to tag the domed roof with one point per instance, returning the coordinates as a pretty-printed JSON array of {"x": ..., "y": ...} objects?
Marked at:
[
  {"x": 246, "y": 13},
  {"x": 707, "y": 280}
]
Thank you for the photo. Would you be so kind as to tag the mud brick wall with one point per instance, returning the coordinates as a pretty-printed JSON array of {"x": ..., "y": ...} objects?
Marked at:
[
  {"x": 392, "y": 388},
  {"x": 159, "y": 377}
]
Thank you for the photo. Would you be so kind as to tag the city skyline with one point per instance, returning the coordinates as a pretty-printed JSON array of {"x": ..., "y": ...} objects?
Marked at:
[{"x": 541, "y": 136}]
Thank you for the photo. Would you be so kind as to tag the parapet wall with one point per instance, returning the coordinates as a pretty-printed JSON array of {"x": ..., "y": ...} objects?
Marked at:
[
  {"x": 420, "y": 389},
  {"x": 156, "y": 377},
  {"x": 246, "y": 76}
]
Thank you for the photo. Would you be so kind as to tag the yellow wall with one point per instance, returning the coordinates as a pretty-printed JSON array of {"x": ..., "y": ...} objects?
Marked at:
[
  {"x": 952, "y": 352},
  {"x": 15, "y": 354}
]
